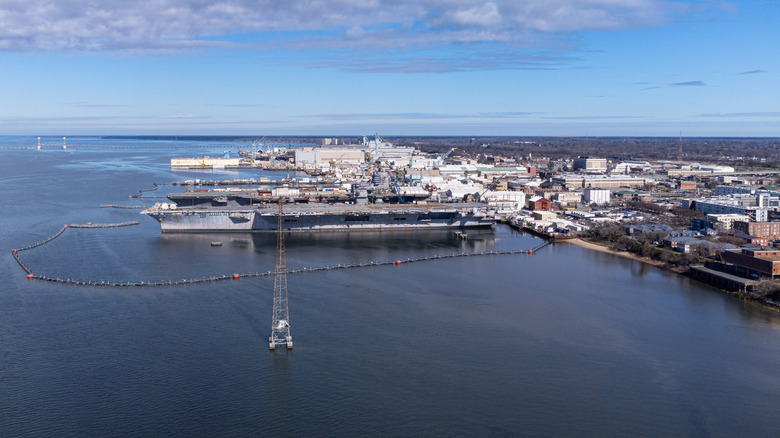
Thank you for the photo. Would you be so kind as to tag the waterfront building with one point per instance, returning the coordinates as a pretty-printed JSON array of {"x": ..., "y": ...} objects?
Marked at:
[{"x": 757, "y": 262}]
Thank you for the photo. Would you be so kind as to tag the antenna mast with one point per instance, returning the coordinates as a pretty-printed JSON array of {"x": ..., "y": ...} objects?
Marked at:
[{"x": 679, "y": 146}]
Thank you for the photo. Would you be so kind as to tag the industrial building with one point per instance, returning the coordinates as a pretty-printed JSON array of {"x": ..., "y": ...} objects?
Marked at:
[
  {"x": 593, "y": 195},
  {"x": 571, "y": 182},
  {"x": 325, "y": 157},
  {"x": 588, "y": 164}
]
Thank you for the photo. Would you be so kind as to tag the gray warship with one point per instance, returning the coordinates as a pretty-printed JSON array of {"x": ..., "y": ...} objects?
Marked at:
[{"x": 257, "y": 211}]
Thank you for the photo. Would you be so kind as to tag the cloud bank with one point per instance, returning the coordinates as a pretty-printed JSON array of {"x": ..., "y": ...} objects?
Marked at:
[{"x": 163, "y": 26}]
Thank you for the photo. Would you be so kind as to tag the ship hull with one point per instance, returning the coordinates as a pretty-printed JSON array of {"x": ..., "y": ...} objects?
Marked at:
[{"x": 184, "y": 220}]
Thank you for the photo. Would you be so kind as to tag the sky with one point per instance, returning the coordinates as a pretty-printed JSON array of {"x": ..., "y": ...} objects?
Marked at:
[{"x": 394, "y": 67}]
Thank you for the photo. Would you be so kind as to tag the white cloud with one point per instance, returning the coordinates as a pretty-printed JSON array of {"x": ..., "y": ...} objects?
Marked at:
[{"x": 169, "y": 25}]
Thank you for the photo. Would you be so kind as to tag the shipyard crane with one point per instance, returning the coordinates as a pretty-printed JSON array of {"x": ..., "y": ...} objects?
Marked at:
[
  {"x": 444, "y": 156},
  {"x": 397, "y": 189}
]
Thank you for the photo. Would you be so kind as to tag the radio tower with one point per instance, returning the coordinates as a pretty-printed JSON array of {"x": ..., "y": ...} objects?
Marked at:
[
  {"x": 280, "y": 326},
  {"x": 679, "y": 147}
]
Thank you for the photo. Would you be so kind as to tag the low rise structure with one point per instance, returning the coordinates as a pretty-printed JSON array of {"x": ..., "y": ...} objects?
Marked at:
[
  {"x": 687, "y": 244},
  {"x": 756, "y": 262},
  {"x": 627, "y": 167},
  {"x": 537, "y": 203},
  {"x": 571, "y": 182},
  {"x": 566, "y": 198},
  {"x": 726, "y": 205},
  {"x": 727, "y": 220}
]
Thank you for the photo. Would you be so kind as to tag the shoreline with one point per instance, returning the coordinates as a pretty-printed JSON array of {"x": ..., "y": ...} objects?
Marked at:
[
  {"x": 601, "y": 248},
  {"x": 625, "y": 254}
]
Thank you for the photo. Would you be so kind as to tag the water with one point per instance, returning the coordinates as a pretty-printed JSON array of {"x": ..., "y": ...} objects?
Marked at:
[{"x": 564, "y": 342}]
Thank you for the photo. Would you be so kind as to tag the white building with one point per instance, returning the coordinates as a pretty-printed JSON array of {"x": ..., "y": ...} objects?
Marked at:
[
  {"x": 725, "y": 205},
  {"x": 505, "y": 200},
  {"x": 595, "y": 196},
  {"x": 325, "y": 157},
  {"x": 633, "y": 166}
]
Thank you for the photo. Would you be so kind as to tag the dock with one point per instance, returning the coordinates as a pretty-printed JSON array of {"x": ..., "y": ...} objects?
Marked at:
[{"x": 723, "y": 280}]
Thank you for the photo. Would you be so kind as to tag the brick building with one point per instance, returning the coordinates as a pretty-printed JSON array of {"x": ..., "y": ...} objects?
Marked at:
[
  {"x": 766, "y": 230},
  {"x": 537, "y": 203},
  {"x": 756, "y": 262}
]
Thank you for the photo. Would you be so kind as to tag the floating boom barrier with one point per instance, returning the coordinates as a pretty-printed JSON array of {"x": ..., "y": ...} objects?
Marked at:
[{"x": 182, "y": 282}]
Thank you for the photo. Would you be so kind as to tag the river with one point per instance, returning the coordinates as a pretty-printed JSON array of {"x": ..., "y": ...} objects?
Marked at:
[{"x": 565, "y": 342}]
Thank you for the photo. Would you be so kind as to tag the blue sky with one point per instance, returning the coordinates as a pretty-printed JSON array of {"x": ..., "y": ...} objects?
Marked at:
[{"x": 396, "y": 67}]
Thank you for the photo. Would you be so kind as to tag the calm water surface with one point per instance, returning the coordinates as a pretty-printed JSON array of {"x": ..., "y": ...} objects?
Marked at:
[{"x": 566, "y": 342}]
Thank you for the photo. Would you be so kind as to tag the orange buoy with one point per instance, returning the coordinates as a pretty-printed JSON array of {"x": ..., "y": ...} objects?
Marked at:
[
  {"x": 530, "y": 251},
  {"x": 14, "y": 251},
  {"x": 397, "y": 262},
  {"x": 235, "y": 276},
  {"x": 89, "y": 223},
  {"x": 143, "y": 207},
  {"x": 66, "y": 225},
  {"x": 30, "y": 276}
]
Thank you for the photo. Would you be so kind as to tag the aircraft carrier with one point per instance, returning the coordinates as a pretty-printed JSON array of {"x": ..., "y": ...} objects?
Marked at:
[{"x": 307, "y": 217}]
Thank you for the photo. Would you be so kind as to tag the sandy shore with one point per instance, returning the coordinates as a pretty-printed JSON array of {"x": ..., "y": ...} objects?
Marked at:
[{"x": 601, "y": 248}]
